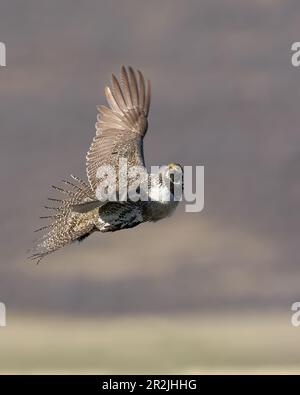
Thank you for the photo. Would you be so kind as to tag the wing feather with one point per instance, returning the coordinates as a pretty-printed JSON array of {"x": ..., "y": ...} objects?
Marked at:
[
  {"x": 134, "y": 88},
  {"x": 126, "y": 87},
  {"x": 141, "y": 89},
  {"x": 148, "y": 99},
  {"x": 118, "y": 93},
  {"x": 120, "y": 128}
]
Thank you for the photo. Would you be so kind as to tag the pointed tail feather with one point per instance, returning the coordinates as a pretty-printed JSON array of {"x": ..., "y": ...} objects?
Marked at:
[{"x": 66, "y": 225}]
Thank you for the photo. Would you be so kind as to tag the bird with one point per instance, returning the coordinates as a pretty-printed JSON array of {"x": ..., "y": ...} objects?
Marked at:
[{"x": 120, "y": 130}]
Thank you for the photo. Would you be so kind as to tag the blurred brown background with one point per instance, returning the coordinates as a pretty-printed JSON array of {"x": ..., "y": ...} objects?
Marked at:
[{"x": 225, "y": 96}]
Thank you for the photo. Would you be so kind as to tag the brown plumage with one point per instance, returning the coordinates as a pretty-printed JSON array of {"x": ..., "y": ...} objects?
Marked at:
[
  {"x": 120, "y": 130},
  {"x": 66, "y": 225},
  {"x": 119, "y": 133}
]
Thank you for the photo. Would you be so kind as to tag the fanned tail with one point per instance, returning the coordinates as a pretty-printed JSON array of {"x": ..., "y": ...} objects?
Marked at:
[{"x": 66, "y": 225}]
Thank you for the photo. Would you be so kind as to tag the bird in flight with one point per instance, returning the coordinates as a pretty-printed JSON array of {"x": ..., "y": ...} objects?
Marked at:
[{"x": 120, "y": 130}]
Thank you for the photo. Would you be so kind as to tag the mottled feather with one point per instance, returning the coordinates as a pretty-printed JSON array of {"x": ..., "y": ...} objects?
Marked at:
[
  {"x": 68, "y": 225},
  {"x": 120, "y": 129}
]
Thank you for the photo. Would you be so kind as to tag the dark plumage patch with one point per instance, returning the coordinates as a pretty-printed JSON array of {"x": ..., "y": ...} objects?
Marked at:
[{"x": 82, "y": 237}]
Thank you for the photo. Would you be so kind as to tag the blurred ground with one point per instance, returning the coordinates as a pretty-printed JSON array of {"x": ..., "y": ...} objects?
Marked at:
[{"x": 232, "y": 342}]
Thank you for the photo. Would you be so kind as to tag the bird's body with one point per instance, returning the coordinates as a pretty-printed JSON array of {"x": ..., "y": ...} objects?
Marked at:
[{"x": 119, "y": 135}]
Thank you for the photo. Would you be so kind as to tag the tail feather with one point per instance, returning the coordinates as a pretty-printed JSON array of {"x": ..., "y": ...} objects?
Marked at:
[{"x": 67, "y": 225}]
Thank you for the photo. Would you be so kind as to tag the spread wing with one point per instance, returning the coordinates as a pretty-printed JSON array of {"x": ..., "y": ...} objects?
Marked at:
[{"x": 121, "y": 128}]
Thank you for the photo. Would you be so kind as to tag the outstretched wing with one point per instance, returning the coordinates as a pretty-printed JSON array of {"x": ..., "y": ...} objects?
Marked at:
[{"x": 120, "y": 129}]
